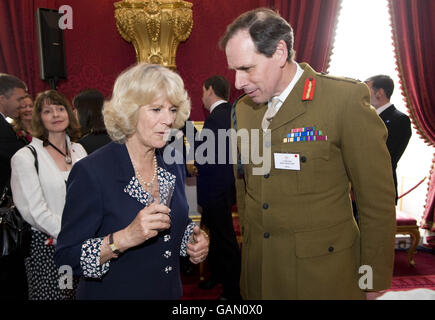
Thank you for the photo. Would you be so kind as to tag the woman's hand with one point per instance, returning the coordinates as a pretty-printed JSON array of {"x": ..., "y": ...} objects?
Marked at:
[
  {"x": 147, "y": 224},
  {"x": 198, "y": 250}
]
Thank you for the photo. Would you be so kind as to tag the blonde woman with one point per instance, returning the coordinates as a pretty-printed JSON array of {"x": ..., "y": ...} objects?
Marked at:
[
  {"x": 40, "y": 196},
  {"x": 121, "y": 233}
]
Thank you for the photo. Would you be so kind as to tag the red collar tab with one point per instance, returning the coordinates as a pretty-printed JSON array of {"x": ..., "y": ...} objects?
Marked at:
[{"x": 310, "y": 86}]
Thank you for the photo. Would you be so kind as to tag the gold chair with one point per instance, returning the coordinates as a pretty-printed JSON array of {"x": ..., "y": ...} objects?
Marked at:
[
  {"x": 405, "y": 224},
  {"x": 408, "y": 225}
]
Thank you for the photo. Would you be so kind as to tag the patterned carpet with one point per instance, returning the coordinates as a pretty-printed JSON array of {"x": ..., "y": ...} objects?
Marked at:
[
  {"x": 414, "y": 283},
  {"x": 424, "y": 263}
]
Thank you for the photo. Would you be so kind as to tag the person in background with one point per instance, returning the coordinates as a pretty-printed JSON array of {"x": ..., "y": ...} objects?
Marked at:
[
  {"x": 300, "y": 239},
  {"x": 397, "y": 123},
  {"x": 40, "y": 196},
  {"x": 13, "y": 283},
  {"x": 89, "y": 105},
  {"x": 126, "y": 222},
  {"x": 216, "y": 192},
  {"x": 23, "y": 123}
]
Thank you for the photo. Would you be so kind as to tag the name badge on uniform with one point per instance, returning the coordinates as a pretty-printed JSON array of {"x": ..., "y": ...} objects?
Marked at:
[{"x": 287, "y": 161}]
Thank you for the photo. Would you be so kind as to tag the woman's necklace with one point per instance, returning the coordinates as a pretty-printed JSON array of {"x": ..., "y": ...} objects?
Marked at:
[
  {"x": 68, "y": 159},
  {"x": 146, "y": 185}
]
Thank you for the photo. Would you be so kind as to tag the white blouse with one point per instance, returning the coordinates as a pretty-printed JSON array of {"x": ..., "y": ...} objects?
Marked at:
[{"x": 41, "y": 200}]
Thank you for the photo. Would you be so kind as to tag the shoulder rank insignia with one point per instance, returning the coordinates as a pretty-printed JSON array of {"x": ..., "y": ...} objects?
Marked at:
[{"x": 310, "y": 86}]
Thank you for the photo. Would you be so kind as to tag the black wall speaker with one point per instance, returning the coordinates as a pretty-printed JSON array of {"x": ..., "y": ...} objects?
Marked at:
[{"x": 51, "y": 51}]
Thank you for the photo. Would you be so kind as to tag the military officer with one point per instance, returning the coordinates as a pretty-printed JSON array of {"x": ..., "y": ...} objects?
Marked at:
[{"x": 300, "y": 240}]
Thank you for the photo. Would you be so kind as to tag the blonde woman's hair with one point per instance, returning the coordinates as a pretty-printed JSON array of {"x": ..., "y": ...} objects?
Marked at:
[{"x": 138, "y": 86}]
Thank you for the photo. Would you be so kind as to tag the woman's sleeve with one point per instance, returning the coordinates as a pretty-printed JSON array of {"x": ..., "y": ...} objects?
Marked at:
[
  {"x": 28, "y": 195},
  {"x": 90, "y": 259},
  {"x": 78, "y": 245},
  {"x": 186, "y": 237}
]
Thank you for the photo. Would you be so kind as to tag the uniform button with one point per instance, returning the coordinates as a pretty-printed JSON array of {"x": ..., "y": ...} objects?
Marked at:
[
  {"x": 331, "y": 249},
  {"x": 265, "y": 206},
  {"x": 267, "y": 144},
  {"x": 266, "y": 176},
  {"x": 303, "y": 159},
  {"x": 266, "y": 235}
]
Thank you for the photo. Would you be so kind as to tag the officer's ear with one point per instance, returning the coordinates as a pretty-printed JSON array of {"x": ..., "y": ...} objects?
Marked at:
[{"x": 281, "y": 53}]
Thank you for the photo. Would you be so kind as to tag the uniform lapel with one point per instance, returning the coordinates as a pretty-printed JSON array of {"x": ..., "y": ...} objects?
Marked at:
[
  {"x": 258, "y": 113},
  {"x": 293, "y": 106}
]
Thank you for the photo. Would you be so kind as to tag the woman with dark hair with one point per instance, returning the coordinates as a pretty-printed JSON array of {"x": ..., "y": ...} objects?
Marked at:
[
  {"x": 89, "y": 104},
  {"x": 40, "y": 194}
]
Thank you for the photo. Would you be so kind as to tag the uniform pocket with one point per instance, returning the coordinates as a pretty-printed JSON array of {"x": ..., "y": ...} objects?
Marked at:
[
  {"x": 313, "y": 156},
  {"x": 327, "y": 262},
  {"x": 327, "y": 241}
]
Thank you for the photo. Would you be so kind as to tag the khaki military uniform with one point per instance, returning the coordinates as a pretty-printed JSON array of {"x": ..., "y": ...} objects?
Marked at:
[{"x": 300, "y": 240}]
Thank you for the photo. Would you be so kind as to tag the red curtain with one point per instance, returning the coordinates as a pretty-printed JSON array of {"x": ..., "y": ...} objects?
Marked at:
[
  {"x": 18, "y": 39},
  {"x": 428, "y": 220},
  {"x": 413, "y": 33},
  {"x": 94, "y": 51},
  {"x": 314, "y": 23}
]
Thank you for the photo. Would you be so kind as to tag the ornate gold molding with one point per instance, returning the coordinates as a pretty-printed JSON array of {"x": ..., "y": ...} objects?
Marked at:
[{"x": 154, "y": 27}]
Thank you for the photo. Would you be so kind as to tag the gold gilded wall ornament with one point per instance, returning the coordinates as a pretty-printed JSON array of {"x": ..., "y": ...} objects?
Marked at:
[{"x": 154, "y": 27}]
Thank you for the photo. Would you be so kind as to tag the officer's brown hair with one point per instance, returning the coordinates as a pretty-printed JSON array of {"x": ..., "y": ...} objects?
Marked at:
[{"x": 266, "y": 29}]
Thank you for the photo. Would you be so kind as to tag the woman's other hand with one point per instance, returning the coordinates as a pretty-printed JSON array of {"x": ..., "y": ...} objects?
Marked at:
[{"x": 198, "y": 249}]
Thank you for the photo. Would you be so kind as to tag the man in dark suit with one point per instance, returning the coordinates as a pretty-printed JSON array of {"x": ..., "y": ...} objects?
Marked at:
[
  {"x": 12, "y": 93},
  {"x": 397, "y": 123},
  {"x": 216, "y": 190}
]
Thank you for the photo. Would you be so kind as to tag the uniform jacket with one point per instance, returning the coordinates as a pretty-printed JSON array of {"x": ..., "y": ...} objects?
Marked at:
[
  {"x": 300, "y": 240},
  {"x": 215, "y": 181},
  {"x": 103, "y": 197},
  {"x": 399, "y": 133}
]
